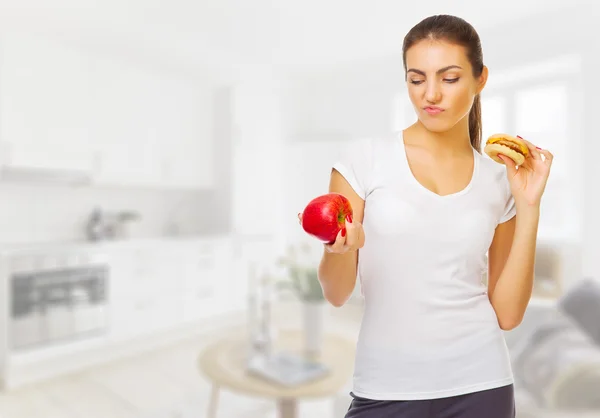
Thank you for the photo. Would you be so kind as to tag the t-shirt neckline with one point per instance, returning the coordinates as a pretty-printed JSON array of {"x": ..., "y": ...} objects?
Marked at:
[{"x": 416, "y": 183}]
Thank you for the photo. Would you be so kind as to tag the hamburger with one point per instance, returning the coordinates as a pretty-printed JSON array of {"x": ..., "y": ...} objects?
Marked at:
[{"x": 507, "y": 145}]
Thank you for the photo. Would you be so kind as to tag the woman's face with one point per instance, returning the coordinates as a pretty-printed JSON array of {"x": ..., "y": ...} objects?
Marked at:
[{"x": 440, "y": 83}]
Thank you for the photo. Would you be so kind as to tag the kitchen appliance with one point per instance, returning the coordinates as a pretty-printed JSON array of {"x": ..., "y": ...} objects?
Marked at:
[
  {"x": 58, "y": 303},
  {"x": 103, "y": 225}
]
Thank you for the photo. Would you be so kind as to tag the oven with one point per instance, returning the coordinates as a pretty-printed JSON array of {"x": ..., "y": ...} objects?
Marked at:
[{"x": 60, "y": 303}]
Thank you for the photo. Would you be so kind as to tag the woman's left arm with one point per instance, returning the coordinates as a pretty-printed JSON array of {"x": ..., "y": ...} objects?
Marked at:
[{"x": 512, "y": 252}]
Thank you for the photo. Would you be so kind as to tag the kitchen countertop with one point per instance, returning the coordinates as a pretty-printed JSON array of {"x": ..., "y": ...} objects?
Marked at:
[{"x": 83, "y": 245}]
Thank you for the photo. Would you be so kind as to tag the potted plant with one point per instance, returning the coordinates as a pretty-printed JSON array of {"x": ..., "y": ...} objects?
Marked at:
[{"x": 301, "y": 265}]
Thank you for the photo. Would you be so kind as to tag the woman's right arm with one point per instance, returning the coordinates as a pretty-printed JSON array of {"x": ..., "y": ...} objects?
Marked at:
[{"x": 338, "y": 267}]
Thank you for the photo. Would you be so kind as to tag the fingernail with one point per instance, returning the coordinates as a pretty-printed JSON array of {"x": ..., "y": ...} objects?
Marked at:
[
  {"x": 537, "y": 147},
  {"x": 344, "y": 232},
  {"x": 519, "y": 137},
  {"x": 349, "y": 218}
]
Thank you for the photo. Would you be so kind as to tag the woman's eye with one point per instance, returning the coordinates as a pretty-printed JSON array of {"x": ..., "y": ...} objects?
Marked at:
[
  {"x": 451, "y": 80},
  {"x": 417, "y": 82}
]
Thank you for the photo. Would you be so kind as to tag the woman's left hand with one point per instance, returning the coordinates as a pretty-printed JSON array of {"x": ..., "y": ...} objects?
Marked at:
[{"x": 528, "y": 181}]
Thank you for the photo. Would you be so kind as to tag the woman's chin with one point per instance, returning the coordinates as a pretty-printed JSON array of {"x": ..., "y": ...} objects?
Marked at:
[{"x": 437, "y": 126}]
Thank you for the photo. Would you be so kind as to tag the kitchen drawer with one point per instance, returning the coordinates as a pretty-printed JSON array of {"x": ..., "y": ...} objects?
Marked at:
[
  {"x": 202, "y": 270},
  {"x": 199, "y": 302},
  {"x": 146, "y": 313},
  {"x": 220, "y": 247}
]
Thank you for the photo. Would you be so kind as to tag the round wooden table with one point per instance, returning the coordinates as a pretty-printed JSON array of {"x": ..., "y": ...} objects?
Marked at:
[{"x": 224, "y": 364}]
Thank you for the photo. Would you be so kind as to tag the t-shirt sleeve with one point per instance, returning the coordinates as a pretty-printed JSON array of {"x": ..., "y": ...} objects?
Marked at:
[
  {"x": 354, "y": 163},
  {"x": 509, "y": 209}
]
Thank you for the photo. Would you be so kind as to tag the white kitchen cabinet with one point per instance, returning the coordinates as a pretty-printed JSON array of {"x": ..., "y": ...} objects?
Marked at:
[
  {"x": 127, "y": 164},
  {"x": 207, "y": 279},
  {"x": 47, "y": 156},
  {"x": 44, "y": 105},
  {"x": 161, "y": 286},
  {"x": 186, "y": 109},
  {"x": 200, "y": 294},
  {"x": 121, "y": 293},
  {"x": 126, "y": 148},
  {"x": 63, "y": 108},
  {"x": 180, "y": 171},
  {"x": 146, "y": 291},
  {"x": 151, "y": 129}
]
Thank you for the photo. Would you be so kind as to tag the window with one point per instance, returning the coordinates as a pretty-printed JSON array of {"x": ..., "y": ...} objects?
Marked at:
[
  {"x": 542, "y": 117},
  {"x": 494, "y": 116}
]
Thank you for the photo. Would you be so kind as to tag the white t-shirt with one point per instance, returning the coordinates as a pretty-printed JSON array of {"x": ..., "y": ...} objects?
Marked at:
[{"x": 428, "y": 329}]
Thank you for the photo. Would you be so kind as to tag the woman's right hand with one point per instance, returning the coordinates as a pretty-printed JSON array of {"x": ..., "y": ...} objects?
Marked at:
[{"x": 350, "y": 238}]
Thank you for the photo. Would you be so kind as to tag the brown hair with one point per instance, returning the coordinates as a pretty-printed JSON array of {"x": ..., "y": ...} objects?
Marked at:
[{"x": 458, "y": 31}]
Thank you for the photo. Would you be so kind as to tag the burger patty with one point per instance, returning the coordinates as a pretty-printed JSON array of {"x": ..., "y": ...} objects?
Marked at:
[{"x": 510, "y": 145}]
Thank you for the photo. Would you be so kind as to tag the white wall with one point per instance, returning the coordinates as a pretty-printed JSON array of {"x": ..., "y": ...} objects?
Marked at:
[{"x": 346, "y": 101}]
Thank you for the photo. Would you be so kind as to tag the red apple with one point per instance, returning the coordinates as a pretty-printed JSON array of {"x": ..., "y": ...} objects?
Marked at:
[{"x": 325, "y": 216}]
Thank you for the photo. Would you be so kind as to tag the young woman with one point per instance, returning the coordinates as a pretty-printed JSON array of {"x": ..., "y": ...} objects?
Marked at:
[{"x": 433, "y": 218}]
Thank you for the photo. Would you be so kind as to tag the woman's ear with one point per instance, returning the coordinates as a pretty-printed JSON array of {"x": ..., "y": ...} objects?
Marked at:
[{"x": 482, "y": 79}]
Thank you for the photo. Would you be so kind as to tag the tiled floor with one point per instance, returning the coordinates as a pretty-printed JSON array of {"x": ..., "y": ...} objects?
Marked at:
[{"x": 159, "y": 384}]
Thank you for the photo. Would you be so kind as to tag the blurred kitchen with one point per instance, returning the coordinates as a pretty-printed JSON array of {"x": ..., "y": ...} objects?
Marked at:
[{"x": 153, "y": 158}]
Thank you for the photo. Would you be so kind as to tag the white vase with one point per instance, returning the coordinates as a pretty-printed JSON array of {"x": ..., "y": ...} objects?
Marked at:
[{"x": 313, "y": 313}]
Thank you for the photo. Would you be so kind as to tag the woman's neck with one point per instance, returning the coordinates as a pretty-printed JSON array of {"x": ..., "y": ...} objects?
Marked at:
[{"x": 455, "y": 141}]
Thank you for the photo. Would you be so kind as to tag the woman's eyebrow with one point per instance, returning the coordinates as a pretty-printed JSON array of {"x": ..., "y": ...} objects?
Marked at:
[{"x": 441, "y": 70}]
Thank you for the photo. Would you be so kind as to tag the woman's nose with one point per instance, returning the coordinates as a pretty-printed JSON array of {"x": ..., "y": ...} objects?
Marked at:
[{"x": 433, "y": 93}]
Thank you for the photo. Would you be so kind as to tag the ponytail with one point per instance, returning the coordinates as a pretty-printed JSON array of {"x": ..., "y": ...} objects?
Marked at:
[{"x": 475, "y": 128}]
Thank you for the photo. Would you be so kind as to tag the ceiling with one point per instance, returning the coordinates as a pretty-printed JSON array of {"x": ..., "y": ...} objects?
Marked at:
[{"x": 226, "y": 38}]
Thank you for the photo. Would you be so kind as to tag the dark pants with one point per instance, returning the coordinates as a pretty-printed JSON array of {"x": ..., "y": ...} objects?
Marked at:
[{"x": 491, "y": 403}]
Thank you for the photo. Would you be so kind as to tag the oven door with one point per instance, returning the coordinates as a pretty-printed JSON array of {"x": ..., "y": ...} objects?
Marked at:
[{"x": 26, "y": 322}]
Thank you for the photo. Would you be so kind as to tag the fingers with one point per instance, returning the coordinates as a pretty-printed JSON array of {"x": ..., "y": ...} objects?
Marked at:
[
  {"x": 533, "y": 150},
  {"x": 339, "y": 245},
  {"x": 299, "y": 218},
  {"x": 351, "y": 233},
  {"x": 348, "y": 239},
  {"x": 537, "y": 152},
  {"x": 548, "y": 157},
  {"x": 511, "y": 167}
]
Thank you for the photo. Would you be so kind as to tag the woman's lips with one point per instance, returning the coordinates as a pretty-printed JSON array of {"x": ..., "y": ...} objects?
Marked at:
[{"x": 433, "y": 110}]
